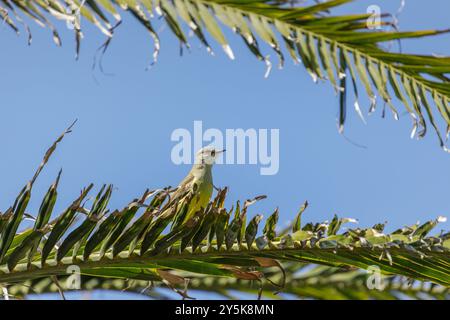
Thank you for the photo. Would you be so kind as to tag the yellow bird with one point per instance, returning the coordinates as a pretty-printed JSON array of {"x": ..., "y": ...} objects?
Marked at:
[{"x": 198, "y": 184}]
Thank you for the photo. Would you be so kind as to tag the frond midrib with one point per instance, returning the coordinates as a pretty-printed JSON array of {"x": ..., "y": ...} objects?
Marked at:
[{"x": 22, "y": 272}]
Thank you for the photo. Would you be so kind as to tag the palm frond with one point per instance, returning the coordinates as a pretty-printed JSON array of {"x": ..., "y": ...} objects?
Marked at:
[
  {"x": 303, "y": 281},
  {"x": 136, "y": 242},
  {"x": 338, "y": 48},
  {"x": 214, "y": 242}
]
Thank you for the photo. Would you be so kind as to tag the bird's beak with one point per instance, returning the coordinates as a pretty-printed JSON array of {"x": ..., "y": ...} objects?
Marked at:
[{"x": 221, "y": 151}]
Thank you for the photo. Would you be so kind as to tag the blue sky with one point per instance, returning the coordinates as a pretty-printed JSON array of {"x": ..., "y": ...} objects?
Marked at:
[{"x": 125, "y": 122}]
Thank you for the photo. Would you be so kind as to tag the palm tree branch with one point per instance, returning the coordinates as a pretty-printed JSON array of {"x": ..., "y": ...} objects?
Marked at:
[
  {"x": 330, "y": 47},
  {"x": 317, "y": 282},
  {"x": 214, "y": 241}
]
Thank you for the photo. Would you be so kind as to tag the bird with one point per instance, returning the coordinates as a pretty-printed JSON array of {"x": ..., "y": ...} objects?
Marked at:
[
  {"x": 197, "y": 187},
  {"x": 185, "y": 202}
]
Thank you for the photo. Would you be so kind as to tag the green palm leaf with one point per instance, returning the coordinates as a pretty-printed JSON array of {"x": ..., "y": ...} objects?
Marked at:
[
  {"x": 337, "y": 48},
  {"x": 212, "y": 243},
  {"x": 408, "y": 251},
  {"x": 302, "y": 281}
]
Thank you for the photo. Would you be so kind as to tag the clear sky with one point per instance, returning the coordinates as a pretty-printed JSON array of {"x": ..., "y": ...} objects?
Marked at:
[{"x": 125, "y": 121}]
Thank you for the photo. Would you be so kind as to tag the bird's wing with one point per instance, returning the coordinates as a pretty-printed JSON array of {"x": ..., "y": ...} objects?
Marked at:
[
  {"x": 177, "y": 197},
  {"x": 184, "y": 186}
]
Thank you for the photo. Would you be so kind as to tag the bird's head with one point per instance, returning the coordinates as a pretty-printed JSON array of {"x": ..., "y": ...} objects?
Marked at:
[{"x": 207, "y": 155}]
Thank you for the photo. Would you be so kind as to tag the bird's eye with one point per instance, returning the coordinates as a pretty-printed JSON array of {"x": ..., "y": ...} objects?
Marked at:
[{"x": 213, "y": 153}]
